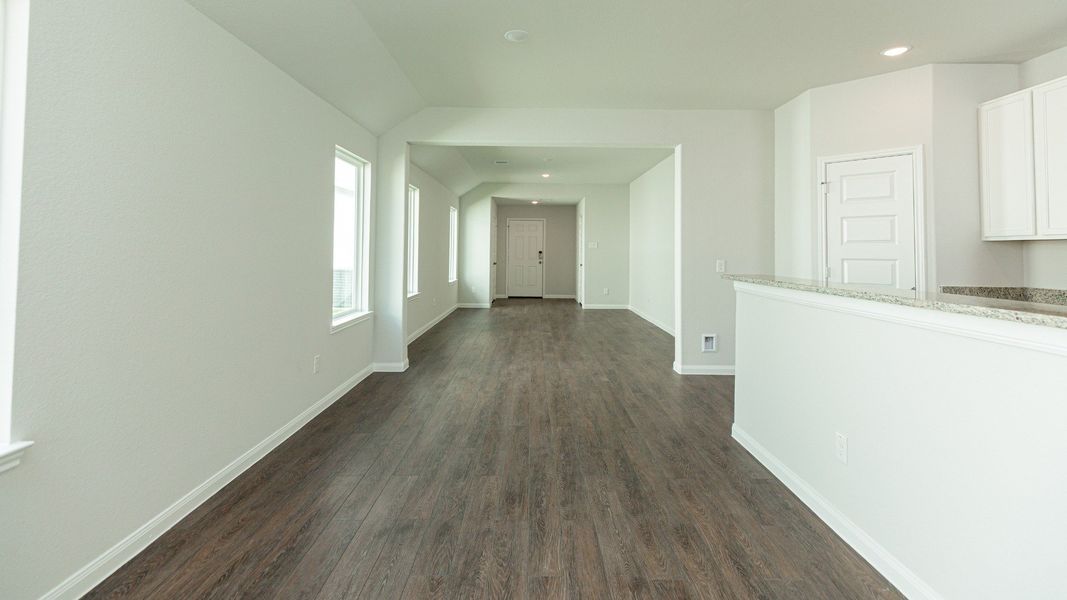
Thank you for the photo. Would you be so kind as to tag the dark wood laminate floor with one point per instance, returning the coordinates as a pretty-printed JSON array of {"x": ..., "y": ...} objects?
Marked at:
[{"x": 531, "y": 451}]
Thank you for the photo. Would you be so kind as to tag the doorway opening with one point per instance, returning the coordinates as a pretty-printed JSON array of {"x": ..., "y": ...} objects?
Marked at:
[{"x": 525, "y": 274}]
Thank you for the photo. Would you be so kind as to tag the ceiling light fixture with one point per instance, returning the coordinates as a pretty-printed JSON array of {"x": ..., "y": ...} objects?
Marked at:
[
  {"x": 546, "y": 175},
  {"x": 534, "y": 202},
  {"x": 895, "y": 51},
  {"x": 517, "y": 36}
]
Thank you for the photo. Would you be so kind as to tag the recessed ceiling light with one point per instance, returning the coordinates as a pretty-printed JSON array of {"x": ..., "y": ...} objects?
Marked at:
[
  {"x": 534, "y": 202},
  {"x": 896, "y": 51},
  {"x": 517, "y": 35},
  {"x": 546, "y": 175}
]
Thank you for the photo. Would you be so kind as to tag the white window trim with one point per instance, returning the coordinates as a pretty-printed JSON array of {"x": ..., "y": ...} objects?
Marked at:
[
  {"x": 347, "y": 320},
  {"x": 414, "y": 201},
  {"x": 15, "y": 22},
  {"x": 453, "y": 245},
  {"x": 362, "y": 311}
]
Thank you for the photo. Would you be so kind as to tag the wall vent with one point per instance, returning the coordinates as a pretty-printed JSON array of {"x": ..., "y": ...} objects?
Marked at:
[{"x": 709, "y": 342}]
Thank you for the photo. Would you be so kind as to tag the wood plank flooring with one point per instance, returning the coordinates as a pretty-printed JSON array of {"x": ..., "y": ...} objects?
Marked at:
[{"x": 532, "y": 450}]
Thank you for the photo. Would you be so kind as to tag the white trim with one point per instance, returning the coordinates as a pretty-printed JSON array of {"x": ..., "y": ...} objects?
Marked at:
[
  {"x": 917, "y": 166},
  {"x": 558, "y": 296},
  {"x": 413, "y": 296},
  {"x": 909, "y": 584},
  {"x": 507, "y": 255},
  {"x": 473, "y": 305},
  {"x": 605, "y": 307},
  {"x": 346, "y": 321},
  {"x": 89, "y": 576},
  {"x": 1051, "y": 340},
  {"x": 500, "y": 297},
  {"x": 11, "y": 454},
  {"x": 645, "y": 316},
  {"x": 399, "y": 367},
  {"x": 421, "y": 330},
  {"x": 703, "y": 369}
]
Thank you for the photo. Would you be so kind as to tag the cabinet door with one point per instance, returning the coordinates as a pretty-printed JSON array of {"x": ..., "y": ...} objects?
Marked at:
[
  {"x": 1050, "y": 157},
  {"x": 1007, "y": 167}
]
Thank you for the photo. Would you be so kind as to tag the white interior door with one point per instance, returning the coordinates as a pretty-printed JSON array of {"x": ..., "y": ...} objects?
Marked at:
[
  {"x": 579, "y": 286},
  {"x": 871, "y": 222},
  {"x": 526, "y": 246},
  {"x": 492, "y": 254}
]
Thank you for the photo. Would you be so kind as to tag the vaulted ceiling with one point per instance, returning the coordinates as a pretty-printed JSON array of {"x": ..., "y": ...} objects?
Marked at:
[{"x": 381, "y": 60}]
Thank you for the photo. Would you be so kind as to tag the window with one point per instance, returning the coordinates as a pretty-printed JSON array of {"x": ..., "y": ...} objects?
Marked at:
[
  {"x": 413, "y": 240},
  {"x": 349, "y": 236},
  {"x": 453, "y": 242}
]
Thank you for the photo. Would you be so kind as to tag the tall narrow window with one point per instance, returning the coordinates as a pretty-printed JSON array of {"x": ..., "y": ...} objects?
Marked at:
[
  {"x": 453, "y": 243},
  {"x": 349, "y": 237},
  {"x": 413, "y": 240}
]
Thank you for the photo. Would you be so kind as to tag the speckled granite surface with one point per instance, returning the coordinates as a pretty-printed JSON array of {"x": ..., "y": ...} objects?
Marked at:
[
  {"x": 993, "y": 307},
  {"x": 1019, "y": 294}
]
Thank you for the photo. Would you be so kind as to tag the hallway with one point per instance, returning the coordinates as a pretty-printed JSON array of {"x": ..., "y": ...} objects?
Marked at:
[{"x": 532, "y": 450}]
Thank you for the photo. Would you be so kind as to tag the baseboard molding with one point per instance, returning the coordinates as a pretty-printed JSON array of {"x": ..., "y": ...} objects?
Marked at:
[
  {"x": 399, "y": 367},
  {"x": 605, "y": 307},
  {"x": 651, "y": 320},
  {"x": 500, "y": 297},
  {"x": 89, "y": 576},
  {"x": 881, "y": 559},
  {"x": 472, "y": 305},
  {"x": 421, "y": 330},
  {"x": 703, "y": 369},
  {"x": 558, "y": 296}
]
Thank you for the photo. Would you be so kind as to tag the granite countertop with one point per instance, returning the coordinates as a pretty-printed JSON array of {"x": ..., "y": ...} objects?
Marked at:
[{"x": 1033, "y": 306}]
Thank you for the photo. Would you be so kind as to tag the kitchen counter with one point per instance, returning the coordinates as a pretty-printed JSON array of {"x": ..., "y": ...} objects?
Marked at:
[{"x": 1006, "y": 304}]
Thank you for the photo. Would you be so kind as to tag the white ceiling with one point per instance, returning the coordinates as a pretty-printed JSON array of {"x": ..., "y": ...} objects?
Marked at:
[
  {"x": 382, "y": 60},
  {"x": 327, "y": 46},
  {"x": 526, "y": 165},
  {"x": 690, "y": 54}
]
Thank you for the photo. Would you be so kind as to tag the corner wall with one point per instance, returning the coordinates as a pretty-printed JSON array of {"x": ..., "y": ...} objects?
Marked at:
[
  {"x": 652, "y": 245},
  {"x": 436, "y": 296},
  {"x": 175, "y": 276}
]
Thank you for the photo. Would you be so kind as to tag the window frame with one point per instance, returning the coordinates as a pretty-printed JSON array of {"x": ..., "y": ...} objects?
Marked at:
[
  {"x": 361, "y": 309},
  {"x": 453, "y": 244},
  {"x": 413, "y": 201}
]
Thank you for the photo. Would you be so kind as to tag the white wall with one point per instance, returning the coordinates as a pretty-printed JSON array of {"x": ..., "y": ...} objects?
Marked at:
[
  {"x": 606, "y": 223},
  {"x": 652, "y": 245},
  {"x": 933, "y": 106},
  {"x": 436, "y": 295},
  {"x": 794, "y": 190},
  {"x": 953, "y": 485},
  {"x": 175, "y": 273},
  {"x": 723, "y": 204},
  {"x": 561, "y": 262},
  {"x": 1046, "y": 261}
]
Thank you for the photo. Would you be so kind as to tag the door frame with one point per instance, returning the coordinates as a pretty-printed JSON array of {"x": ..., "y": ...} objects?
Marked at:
[
  {"x": 916, "y": 154},
  {"x": 507, "y": 255}
]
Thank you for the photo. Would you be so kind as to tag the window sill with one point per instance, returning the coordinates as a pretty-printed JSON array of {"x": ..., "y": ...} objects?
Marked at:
[
  {"x": 11, "y": 454},
  {"x": 453, "y": 281},
  {"x": 349, "y": 320},
  {"x": 413, "y": 296}
]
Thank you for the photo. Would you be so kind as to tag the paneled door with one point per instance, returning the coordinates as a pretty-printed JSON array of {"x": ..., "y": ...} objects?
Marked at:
[
  {"x": 870, "y": 227},
  {"x": 526, "y": 258}
]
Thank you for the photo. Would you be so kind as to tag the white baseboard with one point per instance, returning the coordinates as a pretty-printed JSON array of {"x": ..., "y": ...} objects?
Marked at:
[
  {"x": 391, "y": 367},
  {"x": 605, "y": 307},
  {"x": 472, "y": 305},
  {"x": 881, "y": 559},
  {"x": 421, "y": 330},
  {"x": 703, "y": 369},
  {"x": 500, "y": 297},
  {"x": 89, "y": 576},
  {"x": 651, "y": 320},
  {"x": 558, "y": 297}
]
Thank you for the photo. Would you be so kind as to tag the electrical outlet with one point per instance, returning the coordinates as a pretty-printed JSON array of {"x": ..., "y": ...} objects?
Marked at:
[
  {"x": 606, "y": 291},
  {"x": 435, "y": 301},
  {"x": 593, "y": 244},
  {"x": 720, "y": 265},
  {"x": 841, "y": 447},
  {"x": 315, "y": 364}
]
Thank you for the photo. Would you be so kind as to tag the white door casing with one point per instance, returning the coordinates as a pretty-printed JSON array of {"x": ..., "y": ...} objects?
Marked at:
[
  {"x": 525, "y": 257},
  {"x": 871, "y": 217},
  {"x": 493, "y": 259},
  {"x": 579, "y": 284}
]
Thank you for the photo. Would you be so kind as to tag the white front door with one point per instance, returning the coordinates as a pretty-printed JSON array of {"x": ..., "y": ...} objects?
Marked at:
[
  {"x": 526, "y": 245},
  {"x": 870, "y": 222}
]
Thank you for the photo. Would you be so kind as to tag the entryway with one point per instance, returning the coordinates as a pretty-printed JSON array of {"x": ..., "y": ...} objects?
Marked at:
[{"x": 526, "y": 258}]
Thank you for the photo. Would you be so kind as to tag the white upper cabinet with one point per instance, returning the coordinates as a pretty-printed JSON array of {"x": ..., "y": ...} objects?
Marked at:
[
  {"x": 1007, "y": 167},
  {"x": 1050, "y": 157},
  {"x": 1023, "y": 139}
]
